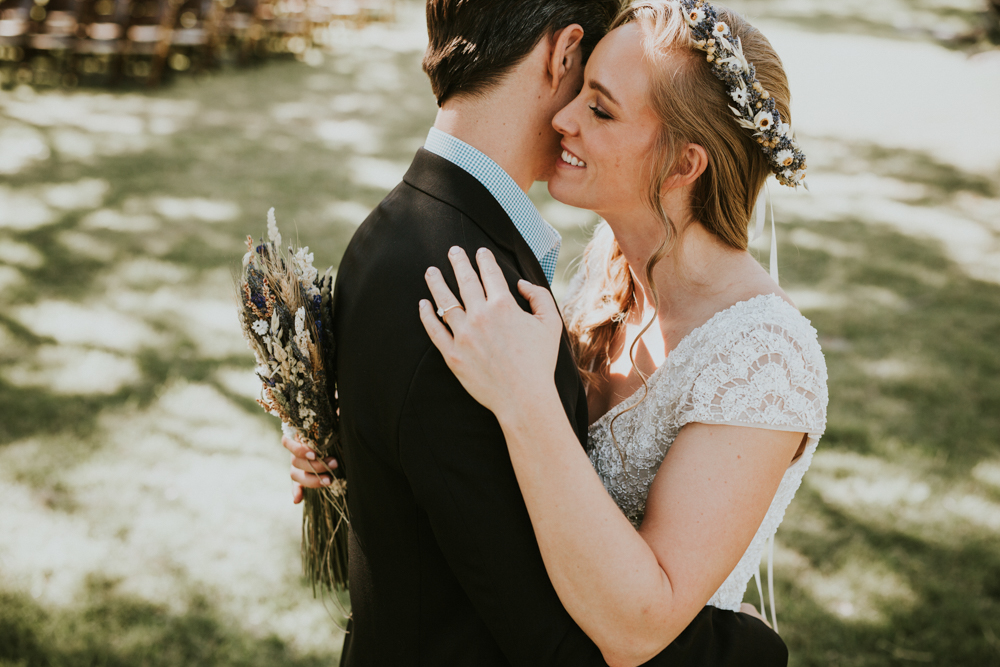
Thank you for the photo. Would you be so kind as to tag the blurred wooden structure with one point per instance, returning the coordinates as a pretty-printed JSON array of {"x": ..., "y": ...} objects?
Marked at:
[{"x": 66, "y": 42}]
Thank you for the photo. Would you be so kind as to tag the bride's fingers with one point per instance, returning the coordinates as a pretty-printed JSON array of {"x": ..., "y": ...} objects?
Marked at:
[
  {"x": 436, "y": 330},
  {"x": 443, "y": 297},
  {"x": 540, "y": 300},
  {"x": 308, "y": 479},
  {"x": 297, "y": 448},
  {"x": 469, "y": 287},
  {"x": 315, "y": 466},
  {"x": 493, "y": 278}
]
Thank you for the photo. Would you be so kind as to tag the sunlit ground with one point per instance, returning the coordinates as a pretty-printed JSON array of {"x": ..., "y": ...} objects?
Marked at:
[{"x": 145, "y": 504}]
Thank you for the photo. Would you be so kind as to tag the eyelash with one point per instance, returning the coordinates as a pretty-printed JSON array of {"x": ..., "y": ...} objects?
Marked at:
[{"x": 600, "y": 114}]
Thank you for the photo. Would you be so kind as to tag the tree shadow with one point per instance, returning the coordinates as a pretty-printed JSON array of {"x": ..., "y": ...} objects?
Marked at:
[
  {"x": 951, "y": 26},
  {"x": 112, "y": 629},
  {"x": 950, "y": 617}
]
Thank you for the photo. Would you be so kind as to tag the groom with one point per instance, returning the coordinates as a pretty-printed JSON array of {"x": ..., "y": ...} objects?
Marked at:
[{"x": 444, "y": 567}]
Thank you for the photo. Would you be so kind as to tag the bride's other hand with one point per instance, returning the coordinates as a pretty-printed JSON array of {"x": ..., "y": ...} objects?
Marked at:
[
  {"x": 501, "y": 354},
  {"x": 750, "y": 610},
  {"x": 307, "y": 470}
]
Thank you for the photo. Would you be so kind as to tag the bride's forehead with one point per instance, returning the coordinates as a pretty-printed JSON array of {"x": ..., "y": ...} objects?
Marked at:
[{"x": 619, "y": 64}]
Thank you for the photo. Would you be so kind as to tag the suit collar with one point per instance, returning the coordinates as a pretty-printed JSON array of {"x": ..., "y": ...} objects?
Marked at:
[{"x": 447, "y": 182}]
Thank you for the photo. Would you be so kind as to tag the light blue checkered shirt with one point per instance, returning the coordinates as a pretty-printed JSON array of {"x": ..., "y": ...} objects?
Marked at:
[{"x": 540, "y": 236}]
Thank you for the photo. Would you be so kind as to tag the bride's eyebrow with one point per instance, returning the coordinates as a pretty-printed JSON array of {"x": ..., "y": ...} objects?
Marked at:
[{"x": 599, "y": 87}]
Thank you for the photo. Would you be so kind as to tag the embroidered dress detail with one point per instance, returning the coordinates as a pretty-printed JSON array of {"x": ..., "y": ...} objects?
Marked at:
[
  {"x": 756, "y": 364},
  {"x": 540, "y": 236}
]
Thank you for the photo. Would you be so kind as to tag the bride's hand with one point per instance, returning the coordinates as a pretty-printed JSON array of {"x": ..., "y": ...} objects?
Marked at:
[{"x": 501, "y": 354}]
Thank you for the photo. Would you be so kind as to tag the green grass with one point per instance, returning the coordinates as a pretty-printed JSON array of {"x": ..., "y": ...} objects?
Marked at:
[{"x": 111, "y": 629}]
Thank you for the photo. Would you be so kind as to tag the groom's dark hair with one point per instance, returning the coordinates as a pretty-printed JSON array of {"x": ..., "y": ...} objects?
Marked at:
[{"x": 474, "y": 43}]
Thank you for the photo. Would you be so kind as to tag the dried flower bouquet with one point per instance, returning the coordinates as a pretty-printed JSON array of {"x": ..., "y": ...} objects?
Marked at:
[{"x": 286, "y": 314}]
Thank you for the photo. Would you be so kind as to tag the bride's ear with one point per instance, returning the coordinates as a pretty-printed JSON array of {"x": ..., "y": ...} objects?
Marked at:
[
  {"x": 566, "y": 57},
  {"x": 691, "y": 165}
]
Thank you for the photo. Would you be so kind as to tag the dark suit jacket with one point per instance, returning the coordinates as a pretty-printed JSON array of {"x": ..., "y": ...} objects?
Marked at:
[{"x": 444, "y": 566}]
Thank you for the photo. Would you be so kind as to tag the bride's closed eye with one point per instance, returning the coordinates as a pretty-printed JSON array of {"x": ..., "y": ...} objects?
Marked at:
[{"x": 599, "y": 112}]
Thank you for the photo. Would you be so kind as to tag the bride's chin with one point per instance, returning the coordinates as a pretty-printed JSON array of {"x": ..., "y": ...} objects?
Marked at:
[{"x": 564, "y": 192}]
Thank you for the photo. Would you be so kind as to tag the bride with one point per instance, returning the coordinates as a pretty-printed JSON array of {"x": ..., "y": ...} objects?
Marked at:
[{"x": 706, "y": 387}]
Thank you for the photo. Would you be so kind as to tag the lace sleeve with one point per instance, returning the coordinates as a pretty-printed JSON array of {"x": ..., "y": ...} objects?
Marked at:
[{"x": 770, "y": 375}]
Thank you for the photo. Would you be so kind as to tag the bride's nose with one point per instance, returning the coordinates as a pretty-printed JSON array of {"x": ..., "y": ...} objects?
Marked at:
[{"x": 565, "y": 122}]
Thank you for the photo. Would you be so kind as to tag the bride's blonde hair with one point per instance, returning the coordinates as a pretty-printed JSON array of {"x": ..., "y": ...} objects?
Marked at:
[{"x": 692, "y": 106}]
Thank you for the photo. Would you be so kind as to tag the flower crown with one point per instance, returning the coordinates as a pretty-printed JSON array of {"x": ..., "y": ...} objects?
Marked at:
[{"x": 755, "y": 108}]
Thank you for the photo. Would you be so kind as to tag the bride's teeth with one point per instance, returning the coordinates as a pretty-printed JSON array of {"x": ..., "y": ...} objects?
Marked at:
[{"x": 569, "y": 158}]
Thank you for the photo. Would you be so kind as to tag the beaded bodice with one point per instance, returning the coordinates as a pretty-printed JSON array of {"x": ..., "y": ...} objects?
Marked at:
[{"x": 756, "y": 364}]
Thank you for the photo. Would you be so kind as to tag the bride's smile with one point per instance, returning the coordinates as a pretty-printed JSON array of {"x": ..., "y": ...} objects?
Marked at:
[{"x": 604, "y": 129}]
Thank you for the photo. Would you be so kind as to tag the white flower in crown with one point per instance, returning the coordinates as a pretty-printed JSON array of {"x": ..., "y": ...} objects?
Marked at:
[
  {"x": 785, "y": 158},
  {"x": 787, "y": 174},
  {"x": 741, "y": 96},
  {"x": 721, "y": 29},
  {"x": 764, "y": 121},
  {"x": 260, "y": 326},
  {"x": 784, "y": 129},
  {"x": 798, "y": 177},
  {"x": 694, "y": 16}
]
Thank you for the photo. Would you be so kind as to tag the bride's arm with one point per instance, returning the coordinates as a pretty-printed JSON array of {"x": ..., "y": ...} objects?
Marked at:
[{"x": 631, "y": 592}]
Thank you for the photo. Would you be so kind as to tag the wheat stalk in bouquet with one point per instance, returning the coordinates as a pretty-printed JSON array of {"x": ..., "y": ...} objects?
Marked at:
[{"x": 286, "y": 313}]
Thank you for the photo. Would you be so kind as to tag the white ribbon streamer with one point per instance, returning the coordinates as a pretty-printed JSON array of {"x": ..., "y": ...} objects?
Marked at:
[
  {"x": 761, "y": 210},
  {"x": 770, "y": 578},
  {"x": 770, "y": 586},
  {"x": 774, "y": 237}
]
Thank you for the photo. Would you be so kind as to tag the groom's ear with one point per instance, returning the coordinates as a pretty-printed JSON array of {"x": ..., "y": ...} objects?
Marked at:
[{"x": 566, "y": 57}]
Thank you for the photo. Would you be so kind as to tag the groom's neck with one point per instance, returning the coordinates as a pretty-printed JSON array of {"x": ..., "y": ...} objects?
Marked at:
[{"x": 504, "y": 129}]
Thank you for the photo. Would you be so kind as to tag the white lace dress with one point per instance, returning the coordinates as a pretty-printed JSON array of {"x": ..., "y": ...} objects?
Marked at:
[{"x": 756, "y": 364}]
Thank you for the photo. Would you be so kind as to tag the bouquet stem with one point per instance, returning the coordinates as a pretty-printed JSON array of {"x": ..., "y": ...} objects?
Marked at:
[{"x": 324, "y": 540}]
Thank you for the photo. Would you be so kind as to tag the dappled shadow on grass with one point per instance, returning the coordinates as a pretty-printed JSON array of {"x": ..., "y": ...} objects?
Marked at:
[
  {"x": 941, "y": 604},
  {"x": 957, "y": 25},
  {"x": 943, "y": 179},
  {"x": 892, "y": 546},
  {"x": 112, "y": 629},
  {"x": 915, "y": 360}
]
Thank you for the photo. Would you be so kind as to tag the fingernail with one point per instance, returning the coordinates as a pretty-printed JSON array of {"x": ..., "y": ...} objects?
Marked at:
[
  {"x": 432, "y": 271},
  {"x": 454, "y": 250},
  {"x": 325, "y": 481},
  {"x": 425, "y": 304},
  {"x": 310, "y": 456},
  {"x": 331, "y": 463},
  {"x": 481, "y": 252},
  {"x": 523, "y": 283}
]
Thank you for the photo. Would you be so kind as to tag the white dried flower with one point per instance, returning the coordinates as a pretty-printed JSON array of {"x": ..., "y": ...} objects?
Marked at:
[
  {"x": 721, "y": 29},
  {"x": 302, "y": 338},
  {"x": 784, "y": 129},
  {"x": 764, "y": 121},
  {"x": 302, "y": 265},
  {"x": 261, "y": 327},
  {"x": 337, "y": 487},
  {"x": 741, "y": 96},
  {"x": 694, "y": 16},
  {"x": 785, "y": 158},
  {"x": 273, "y": 235},
  {"x": 799, "y": 177}
]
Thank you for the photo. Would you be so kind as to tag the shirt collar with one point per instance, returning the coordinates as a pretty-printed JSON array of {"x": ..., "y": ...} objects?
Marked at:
[{"x": 543, "y": 240}]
